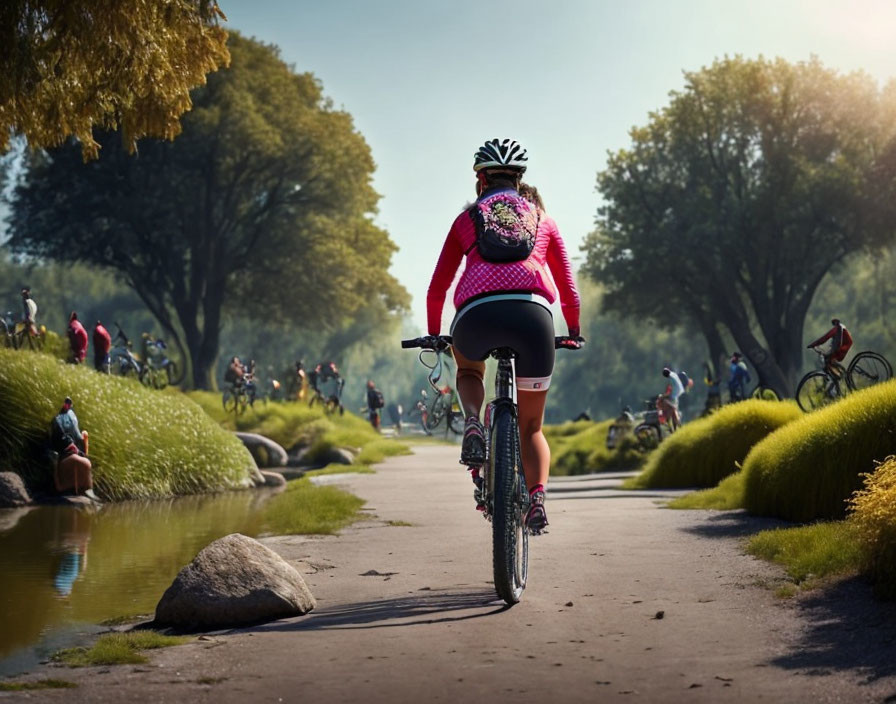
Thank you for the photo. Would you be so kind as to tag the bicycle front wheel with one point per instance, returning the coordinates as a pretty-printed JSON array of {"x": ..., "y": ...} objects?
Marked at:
[
  {"x": 815, "y": 390},
  {"x": 868, "y": 369},
  {"x": 510, "y": 539}
]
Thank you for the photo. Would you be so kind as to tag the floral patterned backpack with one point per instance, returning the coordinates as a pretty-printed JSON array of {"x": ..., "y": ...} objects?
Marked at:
[{"x": 506, "y": 225}]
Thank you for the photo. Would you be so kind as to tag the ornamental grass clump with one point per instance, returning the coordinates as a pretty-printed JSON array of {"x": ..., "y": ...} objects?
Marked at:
[
  {"x": 580, "y": 447},
  {"x": 143, "y": 444},
  {"x": 874, "y": 518},
  {"x": 705, "y": 451},
  {"x": 808, "y": 469}
]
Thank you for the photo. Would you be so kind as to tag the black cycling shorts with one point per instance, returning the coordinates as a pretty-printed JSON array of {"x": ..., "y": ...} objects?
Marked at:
[{"x": 517, "y": 322}]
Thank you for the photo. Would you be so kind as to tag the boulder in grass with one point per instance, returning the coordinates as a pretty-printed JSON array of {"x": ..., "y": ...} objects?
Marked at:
[
  {"x": 12, "y": 491},
  {"x": 265, "y": 451},
  {"x": 273, "y": 480},
  {"x": 234, "y": 581}
]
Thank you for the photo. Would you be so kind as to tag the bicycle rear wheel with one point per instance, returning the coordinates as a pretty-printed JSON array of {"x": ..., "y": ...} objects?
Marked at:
[
  {"x": 815, "y": 390},
  {"x": 868, "y": 369},
  {"x": 510, "y": 539}
]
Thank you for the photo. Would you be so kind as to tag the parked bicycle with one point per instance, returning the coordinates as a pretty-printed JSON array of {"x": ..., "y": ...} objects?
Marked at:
[
  {"x": 653, "y": 426},
  {"x": 237, "y": 398},
  {"x": 7, "y": 328},
  {"x": 445, "y": 405},
  {"x": 820, "y": 387},
  {"x": 158, "y": 370},
  {"x": 505, "y": 497},
  {"x": 122, "y": 360}
]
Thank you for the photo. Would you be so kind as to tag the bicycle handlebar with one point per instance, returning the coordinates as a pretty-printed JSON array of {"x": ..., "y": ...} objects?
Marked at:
[{"x": 430, "y": 342}]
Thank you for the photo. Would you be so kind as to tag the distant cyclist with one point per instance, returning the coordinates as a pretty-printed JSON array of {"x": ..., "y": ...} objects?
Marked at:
[
  {"x": 503, "y": 299},
  {"x": 29, "y": 307},
  {"x": 738, "y": 377},
  {"x": 840, "y": 343},
  {"x": 669, "y": 399},
  {"x": 375, "y": 403}
]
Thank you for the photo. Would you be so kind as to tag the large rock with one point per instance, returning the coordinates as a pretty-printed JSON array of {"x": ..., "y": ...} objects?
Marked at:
[
  {"x": 266, "y": 452},
  {"x": 335, "y": 455},
  {"x": 234, "y": 581},
  {"x": 12, "y": 491}
]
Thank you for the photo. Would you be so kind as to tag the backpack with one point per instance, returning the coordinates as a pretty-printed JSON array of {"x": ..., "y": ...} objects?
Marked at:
[
  {"x": 378, "y": 400},
  {"x": 506, "y": 225},
  {"x": 685, "y": 381}
]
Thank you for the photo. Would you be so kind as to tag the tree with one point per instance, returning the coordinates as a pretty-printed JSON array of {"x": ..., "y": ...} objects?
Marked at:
[
  {"x": 263, "y": 206},
  {"x": 69, "y": 67},
  {"x": 736, "y": 199}
]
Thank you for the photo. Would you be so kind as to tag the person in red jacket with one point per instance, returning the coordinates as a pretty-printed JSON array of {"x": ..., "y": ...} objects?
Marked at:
[
  {"x": 77, "y": 338},
  {"x": 102, "y": 343},
  {"x": 841, "y": 341}
]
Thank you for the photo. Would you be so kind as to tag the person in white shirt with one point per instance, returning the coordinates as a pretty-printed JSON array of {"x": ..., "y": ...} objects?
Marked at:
[{"x": 670, "y": 398}]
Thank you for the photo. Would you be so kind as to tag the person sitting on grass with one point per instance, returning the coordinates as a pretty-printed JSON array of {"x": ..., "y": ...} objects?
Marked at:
[{"x": 73, "y": 471}]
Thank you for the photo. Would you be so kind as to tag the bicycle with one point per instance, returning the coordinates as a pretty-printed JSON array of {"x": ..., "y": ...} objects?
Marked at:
[
  {"x": 505, "y": 497},
  {"x": 121, "y": 360},
  {"x": 819, "y": 388},
  {"x": 236, "y": 398},
  {"x": 7, "y": 328},
  {"x": 330, "y": 397},
  {"x": 654, "y": 426},
  {"x": 445, "y": 404}
]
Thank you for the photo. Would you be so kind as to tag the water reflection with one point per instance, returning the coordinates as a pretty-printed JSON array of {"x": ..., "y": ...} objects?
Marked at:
[{"x": 135, "y": 550}]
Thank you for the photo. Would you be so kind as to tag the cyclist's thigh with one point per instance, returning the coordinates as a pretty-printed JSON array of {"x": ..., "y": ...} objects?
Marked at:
[{"x": 467, "y": 365}]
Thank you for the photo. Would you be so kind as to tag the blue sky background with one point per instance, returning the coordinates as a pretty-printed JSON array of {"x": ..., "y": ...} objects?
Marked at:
[{"x": 428, "y": 82}]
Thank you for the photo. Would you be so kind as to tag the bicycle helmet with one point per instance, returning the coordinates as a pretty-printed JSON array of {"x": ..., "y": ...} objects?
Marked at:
[{"x": 497, "y": 154}]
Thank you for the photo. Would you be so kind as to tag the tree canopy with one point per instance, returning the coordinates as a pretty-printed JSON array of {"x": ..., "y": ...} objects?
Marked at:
[
  {"x": 262, "y": 207},
  {"x": 69, "y": 67},
  {"x": 733, "y": 202}
]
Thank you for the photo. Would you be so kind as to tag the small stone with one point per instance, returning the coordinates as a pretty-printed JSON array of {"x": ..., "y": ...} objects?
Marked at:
[
  {"x": 12, "y": 491},
  {"x": 568, "y": 603},
  {"x": 659, "y": 615}
]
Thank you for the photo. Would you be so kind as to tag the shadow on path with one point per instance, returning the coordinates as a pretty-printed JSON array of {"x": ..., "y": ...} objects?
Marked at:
[
  {"x": 423, "y": 607},
  {"x": 733, "y": 524},
  {"x": 847, "y": 630}
]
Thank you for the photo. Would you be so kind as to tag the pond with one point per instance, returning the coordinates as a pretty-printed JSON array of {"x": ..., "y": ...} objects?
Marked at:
[{"x": 64, "y": 569}]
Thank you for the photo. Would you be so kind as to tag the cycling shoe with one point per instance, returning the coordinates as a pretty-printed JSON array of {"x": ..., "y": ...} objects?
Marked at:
[{"x": 472, "y": 451}]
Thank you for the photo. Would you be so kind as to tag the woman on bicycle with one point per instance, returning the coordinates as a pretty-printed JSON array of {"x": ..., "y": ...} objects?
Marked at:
[{"x": 503, "y": 300}]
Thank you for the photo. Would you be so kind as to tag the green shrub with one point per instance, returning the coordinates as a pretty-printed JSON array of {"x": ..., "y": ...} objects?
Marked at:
[
  {"x": 143, "y": 444},
  {"x": 874, "y": 518},
  {"x": 705, "y": 451},
  {"x": 808, "y": 469},
  {"x": 728, "y": 495},
  {"x": 308, "y": 509},
  {"x": 580, "y": 447}
]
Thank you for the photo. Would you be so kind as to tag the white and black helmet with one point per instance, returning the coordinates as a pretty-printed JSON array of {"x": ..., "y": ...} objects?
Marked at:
[{"x": 500, "y": 153}]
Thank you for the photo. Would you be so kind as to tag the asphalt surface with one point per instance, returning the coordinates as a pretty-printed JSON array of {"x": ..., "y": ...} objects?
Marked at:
[{"x": 627, "y": 601}]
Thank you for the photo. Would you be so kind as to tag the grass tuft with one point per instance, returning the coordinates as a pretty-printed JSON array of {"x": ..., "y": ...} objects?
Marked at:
[
  {"x": 705, "y": 451},
  {"x": 143, "y": 444},
  {"x": 36, "y": 684},
  {"x": 311, "y": 510},
  {"x": 811, "y": 553},
  {"x": 808, "y": 469},
  {"x": 729, "y": 494},
  {"x": 118, "y": 649}
]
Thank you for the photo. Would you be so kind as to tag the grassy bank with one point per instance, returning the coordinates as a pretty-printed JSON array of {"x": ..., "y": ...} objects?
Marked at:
[
  {"x": 143, "y": 444},
  {"x": 118, "y": 649},
  {"x": 295, "y": 424},
  {"x": 580, "y": 447},
  {"x": 705, "y": 451}
]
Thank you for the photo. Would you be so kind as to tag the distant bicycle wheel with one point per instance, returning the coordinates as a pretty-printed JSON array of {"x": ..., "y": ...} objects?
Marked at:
[
  {"x": 868, "y": 369},
  {"x": 648, "y": 436},
  {"x": 815, "y": 390},
  {"x": 766, "y": 393},
  {"x": 456, "y": 422}
]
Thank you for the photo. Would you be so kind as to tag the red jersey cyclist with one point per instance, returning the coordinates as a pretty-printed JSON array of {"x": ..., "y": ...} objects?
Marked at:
[
  {"x": 840, "y": 344},
  {"x": 505, "y": 304}
]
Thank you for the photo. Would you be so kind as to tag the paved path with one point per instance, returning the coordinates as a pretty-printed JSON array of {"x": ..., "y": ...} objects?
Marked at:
[{"x": 407, "y": 612}]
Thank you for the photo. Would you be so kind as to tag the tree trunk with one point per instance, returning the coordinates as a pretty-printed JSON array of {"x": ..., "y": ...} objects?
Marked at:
[{"x": 770, "y": 373}]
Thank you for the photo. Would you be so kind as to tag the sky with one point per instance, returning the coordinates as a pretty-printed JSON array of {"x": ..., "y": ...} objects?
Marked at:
[{"x": 428, "y": 82}]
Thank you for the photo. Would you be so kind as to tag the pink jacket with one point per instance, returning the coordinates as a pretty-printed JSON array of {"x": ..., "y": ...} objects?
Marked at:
[{"x": 481, "y": 277}]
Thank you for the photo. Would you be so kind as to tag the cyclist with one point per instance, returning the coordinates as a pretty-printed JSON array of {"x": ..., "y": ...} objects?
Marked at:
[
  {"x": 235, "y": 372},
  {"x": 669, "y": 399},
  {"x": 77, "y": 339},
  {"x": 505, "y": 303},
  {"x": 375, "y": 403},
  {"x": 102, "y": 343},
  {"x": 738, "y": 377},
  {"x": 841, "y": 342}
]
